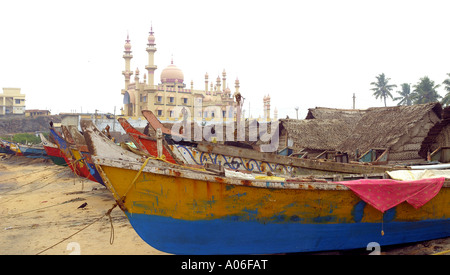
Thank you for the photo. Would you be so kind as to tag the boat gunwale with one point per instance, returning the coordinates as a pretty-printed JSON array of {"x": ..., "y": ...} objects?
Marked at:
[
  {"x": 209, "y": 177},
  {"x": 158, "y": 167}
]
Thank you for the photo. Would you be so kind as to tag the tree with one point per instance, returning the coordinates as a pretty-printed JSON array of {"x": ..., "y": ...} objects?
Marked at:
[
  {"x": 406, "y": 97},
  {"x": 446, "y": 99},
  {"x": 382, "y": 88},
  {"x": 426, "y": 91}
]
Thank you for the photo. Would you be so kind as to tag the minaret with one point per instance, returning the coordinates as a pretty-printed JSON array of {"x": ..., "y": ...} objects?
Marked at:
[
  {"x": 218, "y": 84},
  {"x": 206, "y": 83},
  {"x": 136, "y": 78},
  {"x": 236, "y": 85},
  {"x": 266, "y": 101},
  {"x": 224, "y": 79},
  {"x": 151, "y": 67},
  {"x": 127, "y": 56}
]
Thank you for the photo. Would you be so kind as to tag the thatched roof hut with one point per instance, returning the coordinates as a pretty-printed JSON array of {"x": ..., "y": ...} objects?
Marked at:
[
  {"x": 348, "y": 115},
  {"x": 438, "y": 136},
  {"x": 400, "y": 129},
  {"x": 313, "y": 134}
]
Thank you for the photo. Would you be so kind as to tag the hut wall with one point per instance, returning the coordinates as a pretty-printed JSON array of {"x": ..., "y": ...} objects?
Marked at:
[
  {"x": 443, "y": 139},
  {"x": 408, "y": 146}
]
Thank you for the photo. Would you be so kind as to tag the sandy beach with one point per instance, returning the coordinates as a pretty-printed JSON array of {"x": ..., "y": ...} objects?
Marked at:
[
  {"x": 39, "y": 207},
  {"x": 39, "y": 211}
]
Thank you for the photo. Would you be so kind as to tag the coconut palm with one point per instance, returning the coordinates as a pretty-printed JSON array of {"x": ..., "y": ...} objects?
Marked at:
[
  {"x": 426, "y": 91},
  {"x": 446, "y": 99},
  {"x": 382, "y": 88},
  {"x": 406, "y": 97}
]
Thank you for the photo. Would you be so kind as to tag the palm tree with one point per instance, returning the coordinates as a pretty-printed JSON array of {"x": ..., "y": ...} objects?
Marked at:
[
  {"x": 426, "y": 91},
  {"x": 446, "y": 99},
  {"x": 382, "y": 89},
  {"x": 406, "y": 97}
]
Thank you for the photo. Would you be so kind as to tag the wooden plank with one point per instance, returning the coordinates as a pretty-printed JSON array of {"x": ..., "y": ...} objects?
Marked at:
[{"x": 296, "y": 162}]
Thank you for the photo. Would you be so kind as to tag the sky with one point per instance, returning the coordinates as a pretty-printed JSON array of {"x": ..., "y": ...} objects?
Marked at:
[{"x": 66, "y": 56}]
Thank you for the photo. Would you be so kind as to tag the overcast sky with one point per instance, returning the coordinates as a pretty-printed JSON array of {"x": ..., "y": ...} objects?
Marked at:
[{"x": 67, "y": 55}]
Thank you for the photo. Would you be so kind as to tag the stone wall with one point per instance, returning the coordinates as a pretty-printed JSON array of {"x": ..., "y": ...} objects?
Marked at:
[{"x": 21, "y": 124}]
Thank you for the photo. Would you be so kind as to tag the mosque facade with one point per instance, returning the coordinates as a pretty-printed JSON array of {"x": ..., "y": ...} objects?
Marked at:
[{"x": 172, "y": 98}]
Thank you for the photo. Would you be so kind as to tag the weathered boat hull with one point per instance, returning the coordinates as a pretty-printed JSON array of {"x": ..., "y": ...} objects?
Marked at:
[
  {"x": 184, "y": 211},
  {"x": 6, "y": 148},
  {"x": 144, "y": 142},
  {"x": 72, "y": 156},
  {"x": 187, "y": 216},
  {"x": 52, "y": 151},
  {"x": 33, "y": 152},
  {"x": 55, "y": 155},
  {"x": 80, "y": 149},
  {"x": 14, "y": 148}
]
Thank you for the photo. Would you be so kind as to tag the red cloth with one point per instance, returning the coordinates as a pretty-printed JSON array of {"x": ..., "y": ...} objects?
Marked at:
[{"x": 384, "y": 194}]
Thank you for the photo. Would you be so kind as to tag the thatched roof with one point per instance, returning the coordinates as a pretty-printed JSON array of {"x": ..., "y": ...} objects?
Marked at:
[
  {"x": 318, "y": 134},
  {"x": 434, "y": 132},
  {"x": 382, "y": 127},
  {"x": 349, "y": 115}
]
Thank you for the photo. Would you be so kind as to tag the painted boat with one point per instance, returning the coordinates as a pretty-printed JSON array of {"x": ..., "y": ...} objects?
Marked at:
[
  {"x": 147, "y": 144},
  {"x": 73, "y": 161},
  {"x": 80, "y": 143},
  {"x": 34, "y": 151},
  {"x": 78, "y": 158},
  {"x": 6, "y": 148},
  {"x": 65, "y": 151},
  {"x": 53, "y": 151},
  {"x": 14, "y": 148},
  {"x": 185, "y": 211},
  {"x": 235, "y": 157}
]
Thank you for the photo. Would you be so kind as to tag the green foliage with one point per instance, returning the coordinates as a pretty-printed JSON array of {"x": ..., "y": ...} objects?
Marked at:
[
  {"x": 426, "y": 91},
  {"x": 24, "y": 138},
  {"x": 406, "y": 97},
  {"x": 446, "y": 98},
  {"x": 382, "y": 89}
]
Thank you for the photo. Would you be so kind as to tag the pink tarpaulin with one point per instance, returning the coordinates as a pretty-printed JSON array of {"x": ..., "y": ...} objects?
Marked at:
[{"x": 384, "y": 194}]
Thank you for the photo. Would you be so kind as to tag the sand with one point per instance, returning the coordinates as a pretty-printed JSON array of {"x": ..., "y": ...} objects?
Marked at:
[
  {"x": 39, "y": 207},
  {"x": 39, "y": 212}
]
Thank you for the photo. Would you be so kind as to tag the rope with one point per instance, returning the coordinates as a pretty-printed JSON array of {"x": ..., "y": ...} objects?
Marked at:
[
  {"x": 442, "y": 252},
  {"x": 122, "y": 199},
  {"x": 108, "y": 213},
  {"x": 111, "y": 237}
]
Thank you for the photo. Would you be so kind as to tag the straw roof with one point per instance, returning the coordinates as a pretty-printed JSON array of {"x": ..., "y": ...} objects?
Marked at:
[
  {"x": 317, "y": 134},
  {"x": 435, "y": 131},
  {"x": 349, "y": 115},
  {"x": 382, "y": 127}
]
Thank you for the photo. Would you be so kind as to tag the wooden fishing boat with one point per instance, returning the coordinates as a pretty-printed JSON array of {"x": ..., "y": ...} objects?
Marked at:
[
  {"x": 147, "y": 144},
  {"x": 52, "y": 151},
  {"x": 13, "y": 147},
  {"x": 33, "y": 151},
  {"x": 74, "y": 162},
  {"x": 5, "y": 147},
  {"x": 77, "y": 157},
  {"x": 240, "y": 158},
  {"x": 80, "y": 144},
  {"x": 189, "y": 211}
]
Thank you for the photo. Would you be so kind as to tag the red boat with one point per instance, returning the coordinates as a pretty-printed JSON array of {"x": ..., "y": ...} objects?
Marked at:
[
  {"x": 146, "y": 143},
  {"x": 53, "y": 151}
]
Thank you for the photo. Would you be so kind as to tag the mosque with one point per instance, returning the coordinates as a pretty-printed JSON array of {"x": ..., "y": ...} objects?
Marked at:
[{"x": 171, "y": 99}]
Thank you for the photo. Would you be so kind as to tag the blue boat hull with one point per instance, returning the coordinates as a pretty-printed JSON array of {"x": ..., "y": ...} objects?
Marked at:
[
  {"x": 228, "y": 236},
  {"x": 34, "y": 152}
]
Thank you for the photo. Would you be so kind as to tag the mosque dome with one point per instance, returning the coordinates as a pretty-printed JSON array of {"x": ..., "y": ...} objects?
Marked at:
[{"x": 172, "y": 73}]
